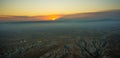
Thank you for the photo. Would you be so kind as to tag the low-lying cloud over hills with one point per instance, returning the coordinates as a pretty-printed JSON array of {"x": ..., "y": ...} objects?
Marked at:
[{"x": 113, "y": 14}]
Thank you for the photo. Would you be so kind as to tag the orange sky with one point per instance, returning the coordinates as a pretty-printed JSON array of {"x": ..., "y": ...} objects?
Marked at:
[
  {"x": 50, "y": 7},
  {"x": 45, "y": 9},
  {"x": 48, "y": 17}
]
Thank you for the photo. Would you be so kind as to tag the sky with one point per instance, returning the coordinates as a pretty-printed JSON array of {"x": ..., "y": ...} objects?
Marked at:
[{"x": 50, "y": 7}]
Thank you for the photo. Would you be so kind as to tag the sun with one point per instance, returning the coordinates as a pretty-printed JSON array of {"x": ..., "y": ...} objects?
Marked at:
[{"x": 54, "y": 17}]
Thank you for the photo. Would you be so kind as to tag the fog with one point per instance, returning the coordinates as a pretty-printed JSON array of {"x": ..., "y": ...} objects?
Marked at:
[{"x": 58, "y": 39}]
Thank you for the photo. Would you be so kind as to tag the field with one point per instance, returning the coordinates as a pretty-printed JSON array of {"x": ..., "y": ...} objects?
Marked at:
[{"x": 99, "y": 39}]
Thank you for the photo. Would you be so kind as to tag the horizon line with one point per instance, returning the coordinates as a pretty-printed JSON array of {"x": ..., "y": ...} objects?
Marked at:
[{"x": 61, "y": 14}]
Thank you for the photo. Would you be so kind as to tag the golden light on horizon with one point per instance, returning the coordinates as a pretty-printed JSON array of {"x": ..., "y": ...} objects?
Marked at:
[{"x": 53, "y": 17}]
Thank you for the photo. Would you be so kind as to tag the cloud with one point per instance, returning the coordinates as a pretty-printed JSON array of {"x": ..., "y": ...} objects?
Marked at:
[{"x": 115, "y": 14}]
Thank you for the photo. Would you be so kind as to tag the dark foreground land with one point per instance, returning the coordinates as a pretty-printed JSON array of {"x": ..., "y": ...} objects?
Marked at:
[{"x": 60, "y": 40}]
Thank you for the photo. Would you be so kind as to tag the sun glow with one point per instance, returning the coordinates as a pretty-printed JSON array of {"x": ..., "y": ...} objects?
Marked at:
[{"x": 54, "y": 17}]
